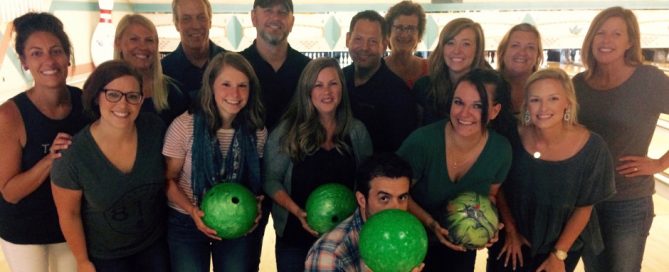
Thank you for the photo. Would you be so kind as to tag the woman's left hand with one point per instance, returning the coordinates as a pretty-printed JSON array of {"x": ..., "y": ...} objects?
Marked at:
[
  {"x": 551, "y": 264},
  {"x": 634, "y": 166},
  {"x": 257, "y": 220}
]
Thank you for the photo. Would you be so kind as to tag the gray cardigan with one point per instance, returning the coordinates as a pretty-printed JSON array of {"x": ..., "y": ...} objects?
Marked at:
[{"x": 278, "y": 167}]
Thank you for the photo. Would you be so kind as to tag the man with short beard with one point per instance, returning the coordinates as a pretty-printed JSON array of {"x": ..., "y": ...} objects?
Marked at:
[
  {"x": 277, "y": 65},
  {"x": 379, "y": 98},
  {"x": 186, "y": 64}
]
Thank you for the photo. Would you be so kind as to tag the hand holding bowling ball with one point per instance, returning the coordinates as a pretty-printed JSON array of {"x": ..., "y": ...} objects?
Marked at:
[
  {"x": 442, "y": 235},
  {"x": 302, "y": 216},
  {"x": 230, "y": 209},
  {"x": 328, "y": 205},
  {"x": 393, "y": 240}
]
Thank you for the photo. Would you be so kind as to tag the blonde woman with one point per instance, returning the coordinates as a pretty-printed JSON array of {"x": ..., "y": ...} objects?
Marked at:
[
  {"x": 136, "y": 43},
  {"x": 519, "y": 55},
  {"x": 559, "y": 171}
]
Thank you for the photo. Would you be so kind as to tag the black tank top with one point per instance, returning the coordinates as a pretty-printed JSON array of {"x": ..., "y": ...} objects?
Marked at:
[{"x": 34, "y": 219}]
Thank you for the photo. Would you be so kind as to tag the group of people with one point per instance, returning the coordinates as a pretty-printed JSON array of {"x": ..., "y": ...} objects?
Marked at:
[{"x": 110, "y": 178}]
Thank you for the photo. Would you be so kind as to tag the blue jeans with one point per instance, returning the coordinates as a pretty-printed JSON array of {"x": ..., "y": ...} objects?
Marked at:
[
  {"x": 625, "y": 226},
  {"x": 154, "y": 258},
  {"x": 190, "y": 249}
]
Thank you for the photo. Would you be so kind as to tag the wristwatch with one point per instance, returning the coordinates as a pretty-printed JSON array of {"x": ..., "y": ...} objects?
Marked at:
[{"x": 560, "y": 254}]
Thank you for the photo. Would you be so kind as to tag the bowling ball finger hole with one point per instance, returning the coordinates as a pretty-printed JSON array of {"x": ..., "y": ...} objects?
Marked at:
[
  {"x": 235, "y": 200},
  {"x": 335, "y": 219}
]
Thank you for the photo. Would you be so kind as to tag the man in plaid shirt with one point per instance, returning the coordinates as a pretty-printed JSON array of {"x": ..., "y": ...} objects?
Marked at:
[{"x": 381, "y": 183}]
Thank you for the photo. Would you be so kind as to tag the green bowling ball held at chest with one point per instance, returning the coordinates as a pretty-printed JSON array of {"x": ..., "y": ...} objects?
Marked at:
[
  {"x": 328, "y": 205},
  {"x": 230, "y": 209},
  {"x": 471, "y": 220},
  {"x": 393, "y": 241}
]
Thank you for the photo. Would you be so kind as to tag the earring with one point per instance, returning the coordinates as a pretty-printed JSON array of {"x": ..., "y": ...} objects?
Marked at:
[
  {"x": 526, "y": 118},
  {"x": 567, "y": 115}
]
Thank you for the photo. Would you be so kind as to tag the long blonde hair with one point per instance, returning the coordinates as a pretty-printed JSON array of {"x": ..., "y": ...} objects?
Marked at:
[
  {"x": 160, "y": 82},
  {"x": 305, "y": 133}
]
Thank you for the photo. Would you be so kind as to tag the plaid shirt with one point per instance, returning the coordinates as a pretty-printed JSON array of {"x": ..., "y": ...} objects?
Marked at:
[{"x": 337, "y": 250}]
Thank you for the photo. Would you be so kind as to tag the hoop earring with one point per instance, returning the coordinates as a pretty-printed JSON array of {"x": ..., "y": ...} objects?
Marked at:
[
  {"x": 567, "y": 115},
  {"x": 526, "y": 118}
]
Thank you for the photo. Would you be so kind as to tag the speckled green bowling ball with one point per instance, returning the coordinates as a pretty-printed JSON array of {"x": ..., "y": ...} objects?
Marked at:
[
  {"x": 328, "y": 205},
  {"x": 393, "y": 241},
  {"x": 471, "y": 220},
  {"x": 230, "y": 209}
]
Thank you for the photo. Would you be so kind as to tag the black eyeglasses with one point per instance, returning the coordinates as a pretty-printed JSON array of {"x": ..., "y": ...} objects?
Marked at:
[
  {"x": 115, "y": 96},
  {"x": 410, "y": 29}
]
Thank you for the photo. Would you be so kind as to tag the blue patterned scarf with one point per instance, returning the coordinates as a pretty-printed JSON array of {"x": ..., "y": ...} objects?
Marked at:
[{"x": 241, "y": 165}]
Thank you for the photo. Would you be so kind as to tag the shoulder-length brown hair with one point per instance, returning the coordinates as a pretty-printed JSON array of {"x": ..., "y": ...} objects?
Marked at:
[
  {"x": 633, "y": 55},
  {"x": 304, "y": 132},
  {"x": 252, "y": 115}
]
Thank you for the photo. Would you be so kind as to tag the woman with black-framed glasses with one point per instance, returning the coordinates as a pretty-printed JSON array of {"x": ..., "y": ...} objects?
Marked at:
[{"x": 109, "y": 186}]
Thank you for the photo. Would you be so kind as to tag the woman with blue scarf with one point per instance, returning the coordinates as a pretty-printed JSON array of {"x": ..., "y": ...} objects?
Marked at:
[
  {"x": 221, "y": 140},
  {"x": 317, "y": 142}
]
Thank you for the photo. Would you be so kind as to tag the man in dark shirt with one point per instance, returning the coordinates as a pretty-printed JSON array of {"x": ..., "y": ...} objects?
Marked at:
[
  {"x": 379, "y": 98},
  {"x": 186, "y": 64},
  {"x": 277, "y": 65}
]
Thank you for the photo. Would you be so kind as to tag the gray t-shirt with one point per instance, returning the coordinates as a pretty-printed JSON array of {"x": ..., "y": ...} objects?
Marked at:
[
  {"x": 121, "y": 213},
  {"x": 626, "y": 117}
]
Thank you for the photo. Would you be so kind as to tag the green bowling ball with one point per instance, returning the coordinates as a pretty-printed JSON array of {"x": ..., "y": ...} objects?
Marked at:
[
  {"x": 230, "y": 209},
  {"x": 393, "y": 240},
  {"x": 471, "y": 220},
  {"x": 328, "y": 205}
]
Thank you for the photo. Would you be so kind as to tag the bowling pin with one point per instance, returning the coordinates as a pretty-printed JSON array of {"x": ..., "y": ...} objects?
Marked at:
[{"x": 102, "y": 42}]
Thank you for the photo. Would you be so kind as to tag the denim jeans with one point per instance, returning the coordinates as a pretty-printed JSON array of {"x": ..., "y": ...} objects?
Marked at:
[
  {"x": 625, "y": 226},
  {"x": 290, "y": 256},
  {"x": 258, "y": 234},
  {"x": 190, "y": 249},
  {"x": 154, "y": 258}
]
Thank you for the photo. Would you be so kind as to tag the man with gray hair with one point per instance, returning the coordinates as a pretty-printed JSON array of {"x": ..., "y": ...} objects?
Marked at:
[{"x": 186, "y": 64}]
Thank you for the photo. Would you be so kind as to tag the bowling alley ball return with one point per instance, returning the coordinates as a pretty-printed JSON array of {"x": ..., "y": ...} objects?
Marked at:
[
  {"x": 230, "y": 209},
  {"x": 328, "y": 205},
  {"x": 393, "y": 241}
]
